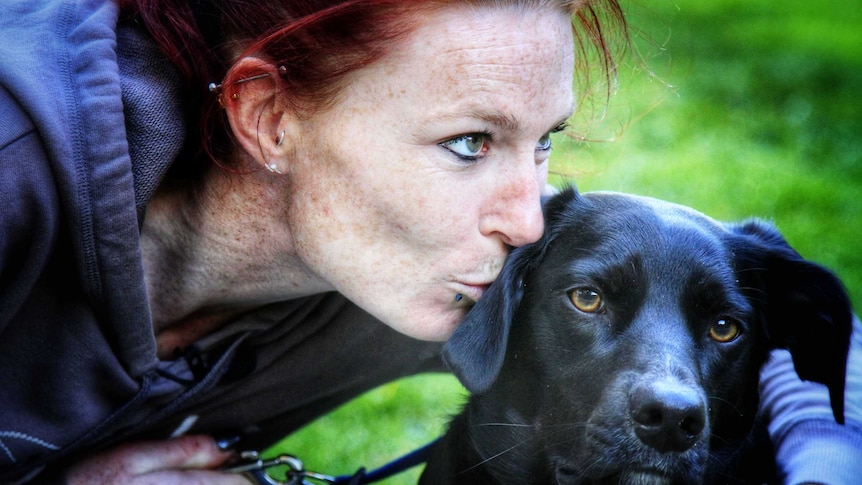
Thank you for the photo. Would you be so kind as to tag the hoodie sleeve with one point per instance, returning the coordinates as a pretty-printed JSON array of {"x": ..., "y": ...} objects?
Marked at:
[{"x": 810, "y": 446}]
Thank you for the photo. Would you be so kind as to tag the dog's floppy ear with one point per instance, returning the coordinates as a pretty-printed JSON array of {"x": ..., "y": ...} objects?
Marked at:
[
  {"x": 807, "y": 309},
  {"x": 476, "y": 350}
]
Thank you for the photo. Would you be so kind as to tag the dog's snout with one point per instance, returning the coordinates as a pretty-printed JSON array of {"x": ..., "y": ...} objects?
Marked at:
[{"x": 668, "y": 415}]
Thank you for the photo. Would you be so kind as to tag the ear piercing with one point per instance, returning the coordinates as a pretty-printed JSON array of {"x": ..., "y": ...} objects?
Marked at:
[
  {"x": 459, "y": 297},
  {"x": 271, "y": 166},
  {"x": 216, "y": 88}
]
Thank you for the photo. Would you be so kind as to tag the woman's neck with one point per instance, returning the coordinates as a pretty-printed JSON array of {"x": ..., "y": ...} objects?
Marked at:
[{"x": 210, "y": 257}]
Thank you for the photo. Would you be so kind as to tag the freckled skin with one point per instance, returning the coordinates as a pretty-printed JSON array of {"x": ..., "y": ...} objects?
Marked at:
[
  {"x": 372, "y": 200},
  {"x": 395, "y": 221}
]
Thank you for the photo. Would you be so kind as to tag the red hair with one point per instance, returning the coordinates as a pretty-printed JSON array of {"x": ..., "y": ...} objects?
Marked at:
[{"x": 318, "y": 42}]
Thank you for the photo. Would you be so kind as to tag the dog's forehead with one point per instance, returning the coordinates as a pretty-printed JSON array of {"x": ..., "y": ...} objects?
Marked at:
[
  {"x": 623, "y": 224},
  {"x": 607, "y": 210}
]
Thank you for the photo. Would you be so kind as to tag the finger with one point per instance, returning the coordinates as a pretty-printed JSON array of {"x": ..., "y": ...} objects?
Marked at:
[
  {"x": 195, "y": 477},
  {"x": 186, "y": 452}
]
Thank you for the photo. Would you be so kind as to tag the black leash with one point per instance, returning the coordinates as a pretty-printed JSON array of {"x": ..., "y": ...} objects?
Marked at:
[
  {"x": 255, "y": 468},
  {"x": 406, "y": 462}
]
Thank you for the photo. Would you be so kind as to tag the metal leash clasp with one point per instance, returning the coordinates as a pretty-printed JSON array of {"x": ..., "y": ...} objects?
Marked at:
[{"x": 256, "y": 469}]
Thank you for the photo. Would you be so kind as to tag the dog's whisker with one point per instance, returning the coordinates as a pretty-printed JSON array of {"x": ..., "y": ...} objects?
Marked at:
[
  {"x": 732, "y": 405},
  {"x": 491, "y": 458},
  {"x": 722, "y": 440},
  {"x": 512, "y": 425},
  {"x": 564, "y": 425},
  {"x": 592, "y": 464},
  {"x": 752, "y": 289}
]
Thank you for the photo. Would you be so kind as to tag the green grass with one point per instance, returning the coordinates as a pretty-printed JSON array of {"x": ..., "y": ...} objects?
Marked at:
[
  {"x": 378, "y": 427},
  {"x": 758, "y": 114},
  {"x": 749, "y": 108}
]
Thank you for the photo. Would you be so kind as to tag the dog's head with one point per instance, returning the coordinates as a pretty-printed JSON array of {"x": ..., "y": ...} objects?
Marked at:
[{"x": 636, "y": 328}]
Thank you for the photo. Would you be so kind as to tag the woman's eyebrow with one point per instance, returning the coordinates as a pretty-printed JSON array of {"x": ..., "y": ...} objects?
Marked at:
[{"x": 505, "y": 122}]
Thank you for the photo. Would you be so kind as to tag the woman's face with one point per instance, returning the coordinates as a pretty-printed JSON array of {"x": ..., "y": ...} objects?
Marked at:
[{"x": 414, "y": 185}]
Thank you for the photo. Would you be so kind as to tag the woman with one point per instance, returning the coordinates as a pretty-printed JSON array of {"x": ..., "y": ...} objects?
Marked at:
[{"x": 185, "y": 262}]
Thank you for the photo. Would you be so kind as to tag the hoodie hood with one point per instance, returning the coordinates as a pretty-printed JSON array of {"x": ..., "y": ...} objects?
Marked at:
[{"x": 93, "y": 109}]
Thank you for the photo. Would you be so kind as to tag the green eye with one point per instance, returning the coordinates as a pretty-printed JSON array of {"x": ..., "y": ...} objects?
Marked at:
[
  {"x": 544, "y": 143},
  {"x": 468, "y": 147},
  {"x": 586, "y": 300},
  {"x": 724, "y": 331}
]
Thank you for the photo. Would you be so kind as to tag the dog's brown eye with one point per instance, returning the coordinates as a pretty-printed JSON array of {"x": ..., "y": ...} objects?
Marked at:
[
  {"x": 586, "y": 300},
  {"x": 724, "y": 331}
]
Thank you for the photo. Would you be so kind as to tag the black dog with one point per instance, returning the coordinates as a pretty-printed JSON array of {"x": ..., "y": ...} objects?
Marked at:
[{"x": 625, "y": 347}]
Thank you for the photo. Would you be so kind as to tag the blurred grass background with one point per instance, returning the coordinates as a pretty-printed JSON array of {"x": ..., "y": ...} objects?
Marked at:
[{"x": 737, "y": 108}]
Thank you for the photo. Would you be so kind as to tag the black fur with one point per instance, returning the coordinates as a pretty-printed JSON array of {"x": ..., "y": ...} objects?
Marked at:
[{"x": 637, "y": 392}]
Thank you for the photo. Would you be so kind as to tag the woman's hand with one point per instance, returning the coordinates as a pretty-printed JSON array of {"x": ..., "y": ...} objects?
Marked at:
[{"x": 186, "y": 460}]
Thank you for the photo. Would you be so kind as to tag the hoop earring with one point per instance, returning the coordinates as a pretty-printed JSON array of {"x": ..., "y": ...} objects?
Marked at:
[
  {"x": 272, "y": 167},
  {"x": 279, "y": 139}
]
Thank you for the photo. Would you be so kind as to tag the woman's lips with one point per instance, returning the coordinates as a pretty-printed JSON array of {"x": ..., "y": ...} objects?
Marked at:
[{"x": 471, "y": 293}]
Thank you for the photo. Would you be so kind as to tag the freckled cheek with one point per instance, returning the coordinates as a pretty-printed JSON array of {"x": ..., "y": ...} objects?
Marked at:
[
  {"x": 424, "y": 219},
  {"x": 426, "y": 228},
  {"x": 414, "y": 220}
]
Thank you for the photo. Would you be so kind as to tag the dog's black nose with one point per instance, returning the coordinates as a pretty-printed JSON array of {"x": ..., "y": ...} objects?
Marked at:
[{"x": 667, "y": 415}]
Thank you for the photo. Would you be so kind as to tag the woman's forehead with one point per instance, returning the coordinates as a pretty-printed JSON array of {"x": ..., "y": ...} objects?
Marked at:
[
  {"x": 459, "y": 29},
  {"x": 473, "y": 55}
]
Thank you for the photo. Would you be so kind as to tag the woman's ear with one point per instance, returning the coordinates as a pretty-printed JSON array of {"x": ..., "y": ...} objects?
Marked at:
[{"x": 262, "y": 125}]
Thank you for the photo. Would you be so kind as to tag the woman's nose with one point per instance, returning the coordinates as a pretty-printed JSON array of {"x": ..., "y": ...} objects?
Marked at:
[{"x": 515, "y": 213}]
